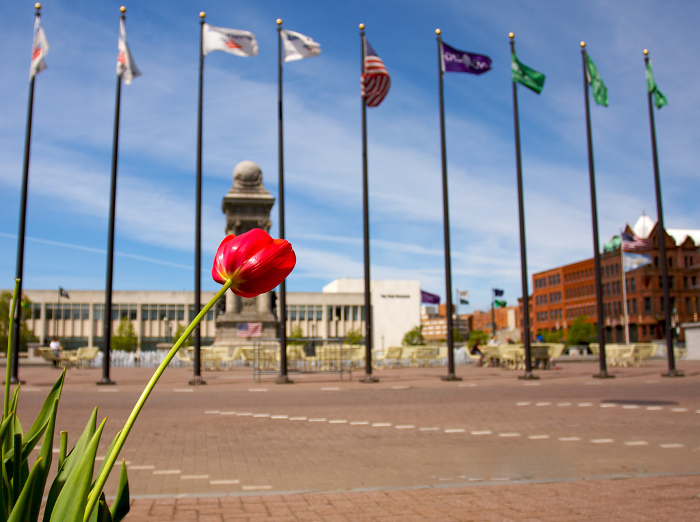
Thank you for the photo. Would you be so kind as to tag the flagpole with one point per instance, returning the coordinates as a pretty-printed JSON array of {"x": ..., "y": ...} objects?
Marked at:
[
  {"x": 523, "y": 251},
  {"x": 446, "y": 223},
  {"x": 624, "y": 291},
  {"x": 19, "y": 269},
  {"x": 107, "y": 313},
  {"x": 283, "y": 377},
  {"x": 196, "y": 335},
  {"x": 55, "y": 313},
  {"x": 493, "y": 313},
  {"x": 602, "y": 361},
  {"x": 661, "y": 235},
  {"x": 368, "y": 377}
]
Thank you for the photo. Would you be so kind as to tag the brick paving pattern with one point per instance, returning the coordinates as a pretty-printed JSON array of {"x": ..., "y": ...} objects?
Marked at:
[{"x": 411, "y": 447}]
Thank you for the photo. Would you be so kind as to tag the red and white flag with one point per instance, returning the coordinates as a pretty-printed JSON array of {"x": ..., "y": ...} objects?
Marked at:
[
  {"x": 232, "y": 41},
  {"x": 126, "y": 68},
  {"x": 298, "y": 46},
  {"x": 40, "y": 47},
  {"x": 375, "y": 78}
]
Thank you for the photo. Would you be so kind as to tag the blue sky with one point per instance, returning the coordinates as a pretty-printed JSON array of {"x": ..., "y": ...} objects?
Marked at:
[{"x": 73, "y": 121}]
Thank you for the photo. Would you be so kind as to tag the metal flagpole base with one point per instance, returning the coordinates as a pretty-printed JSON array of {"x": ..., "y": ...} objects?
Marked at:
[
  {"x": 196, "y": 380},
  {"x": 603, "y": 375},
  {"x": 368, "y": 378},
  {"x": 283, "y": 379},
  {"x": 528, "y": 376},
  {"x": 450, "y": 377},
  {"x": 106, "y": 381},
  {"x": 15, "y": 380},
  {"x": 673, "y": 373}
]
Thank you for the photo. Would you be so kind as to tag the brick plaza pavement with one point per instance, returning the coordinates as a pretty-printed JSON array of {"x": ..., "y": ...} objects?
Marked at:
[{"x": 411, "y": 447}]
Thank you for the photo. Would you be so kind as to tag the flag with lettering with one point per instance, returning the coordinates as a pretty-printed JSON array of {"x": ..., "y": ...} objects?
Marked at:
[
  {"x": 40, "y": 46},
  {"x": 298, "y": 46},
  {"x": 375, "y": 78},
  {"x": 427, "y": 297},
  {"x": 126, "y": 68},
  {"x": 232, "y": 41},
  {"x": 525, "y": 75},
  {"x": 454, "y": 60},
  {"x": 600, "y": 91},
  {"x": 659, "y": 99},
  {"x": 249, "y": 330}
]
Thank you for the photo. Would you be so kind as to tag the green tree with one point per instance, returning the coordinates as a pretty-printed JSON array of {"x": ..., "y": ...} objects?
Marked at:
[
  {"x": 125, "y": 338},
  {"x": 413, "y": 337},
  {"x": 457, "y": 336},
  {"x": 25, "y": 335},
  {"x": 353, "y": 337},
  {"x": 478, "y": 335},
  {"x": 178, "y": 333},
  {"x": 581, "y": 331},
  {"x": 551, "y": 337},
  {"x": 296, "y": 335}
]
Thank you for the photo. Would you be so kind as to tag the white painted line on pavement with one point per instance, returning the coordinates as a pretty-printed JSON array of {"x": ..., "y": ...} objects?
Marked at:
[
  {"x": 455, "y": 430},
  {"x": 467, "y": 384},
  {"x": 584, "y": 404},
  {"x": 255, "y": 488},
  {"x": 176, "y": 390},
  {"x": 261, "y": 415},
  {"x": 482, "y": 432},
  {"x": 672, "y": 445},
  {"x": 223, "y": 482},
  {"x": 601, "y": 441},
  {"x": 244, "y": 414},
  {"x": 429, "y": 428},
  {"x": 509, "y": 434},
  {"x": 318, "y": 419},
  {"x": 211, "y": 412},
  {"x": 330, "y": 388},
  {"x": 636, "y": 443},
  {"x": 404, "y": 426},
  {"x": 359, "y": 423},
  {"x": 194, "y": 477},
  {"x": 166, "y": 472},
  {"x": 380, "y": 424},
  {"x": 654, "y": 408},
  {"x": 630, "y": 406},
  {"x": 279, "y": 416},
  {"x": 297, "y": 418},
  {"x": 141, "y": 467},
  {"x": 532, "y": 384},
  {"x": 608, "y": 405},
  {"x": 337, "y": 421},
  {"x": 257, "y": 389},
  {"x": 538, "y": 437},
  {"x": 563, "y": 404},
  {"x": 543, "y": 404},
  {"x": 524, "y": 403},
  {"x": 679, "y": 409},
  {"x": 569, "y": 439},
  {"x": 228, "y": 413}
]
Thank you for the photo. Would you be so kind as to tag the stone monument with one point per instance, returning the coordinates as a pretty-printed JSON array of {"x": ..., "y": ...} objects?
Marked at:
[{"x": 247, "y": 205}]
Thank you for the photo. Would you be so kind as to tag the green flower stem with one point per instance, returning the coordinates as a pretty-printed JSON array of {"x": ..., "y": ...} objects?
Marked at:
[
  {"x": 8, "y": 374},
  {"x": 112, "y": 457}
]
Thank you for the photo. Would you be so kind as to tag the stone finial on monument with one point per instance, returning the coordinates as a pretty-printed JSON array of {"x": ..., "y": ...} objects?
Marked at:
[{"x": 247, "y": 205}]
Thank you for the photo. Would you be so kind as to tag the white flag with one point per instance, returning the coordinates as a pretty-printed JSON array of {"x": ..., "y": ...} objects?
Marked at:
[
  {"x": 297, "y": 46},
  {"x": 463, "y": 294},
  {"x": 126, "y": 68},
  {"x": 40, "y": 47},
  {"x": 232, "y": 41}
]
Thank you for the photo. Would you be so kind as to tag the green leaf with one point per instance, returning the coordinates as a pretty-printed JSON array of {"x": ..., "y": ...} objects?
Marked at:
[
  {"x": 47, "y": 410},
  {"x": 21, "y": 509},
  {"x": 101, "y": 513},
  {"x": 71, "y": 501},
  {"x": 120, "y": 506},
  {"x": 46, "y": 454},
  {"x": 68, "y": 464},
  {"x": 109, "y": 452}
]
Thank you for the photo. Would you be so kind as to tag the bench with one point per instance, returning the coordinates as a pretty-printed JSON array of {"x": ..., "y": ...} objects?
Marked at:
[{"x": 388, "y": 359}]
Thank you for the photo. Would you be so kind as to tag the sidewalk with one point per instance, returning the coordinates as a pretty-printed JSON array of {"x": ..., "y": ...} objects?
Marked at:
[{"x": 411, "y": 447}]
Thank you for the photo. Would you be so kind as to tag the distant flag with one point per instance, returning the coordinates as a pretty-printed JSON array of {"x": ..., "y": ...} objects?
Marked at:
[
  {"x": 62, "y": 292},
  {"x": 232, "y": 41},
  {"x": 375, "y": 78},
  {"x": 297, "y": 46},
  {"x": 600, "y": 91},
  {"x": 40, "y": 47},
  {"x": 499, "y": 303},
  {"x": 427, "y": 297},
  {"x": 526, "y": 76},
  {"x": 631, "y": 243},
  {"x": 659, "y": 99},
  {"x": 463, "y": 296},
  {"x": 249, "y": 330},
  {"x": 454, "y": 60},
  {"x": 632, "y": 261},
  {"x": 497, "y": 292},
  {"x": 126, "y": 68}
]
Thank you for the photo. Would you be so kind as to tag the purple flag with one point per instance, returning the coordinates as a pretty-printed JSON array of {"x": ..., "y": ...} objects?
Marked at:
[
  {"x": 454, "y": 60},
  {"x": 427, "y": 297}
]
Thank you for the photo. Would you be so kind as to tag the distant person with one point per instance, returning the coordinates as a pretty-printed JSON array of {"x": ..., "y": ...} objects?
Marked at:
[
  {"x": 55, "y": 345},
  {"x": 476, "y": 349}
]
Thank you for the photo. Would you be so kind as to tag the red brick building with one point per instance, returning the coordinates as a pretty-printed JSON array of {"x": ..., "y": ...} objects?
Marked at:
[{"x": 562, "y": 294}]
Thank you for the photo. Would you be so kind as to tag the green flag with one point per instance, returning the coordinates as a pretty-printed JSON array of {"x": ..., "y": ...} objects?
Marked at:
[
  {"x": 659, "y": 99},
  {"x": 600, "y": 91},
  {"x": 530, "y": 78},
  {"x": 500, "y": 304}
]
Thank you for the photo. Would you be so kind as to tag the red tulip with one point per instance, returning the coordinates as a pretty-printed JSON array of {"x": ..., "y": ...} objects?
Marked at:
[{"x": 254, "y": 261}]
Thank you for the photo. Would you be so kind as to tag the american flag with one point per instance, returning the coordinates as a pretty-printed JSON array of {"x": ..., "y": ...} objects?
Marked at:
[
  {"x": 375, "y": 78},
  {"x": 249, "y": 330},
  {"x": 630, "y": 242}
]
